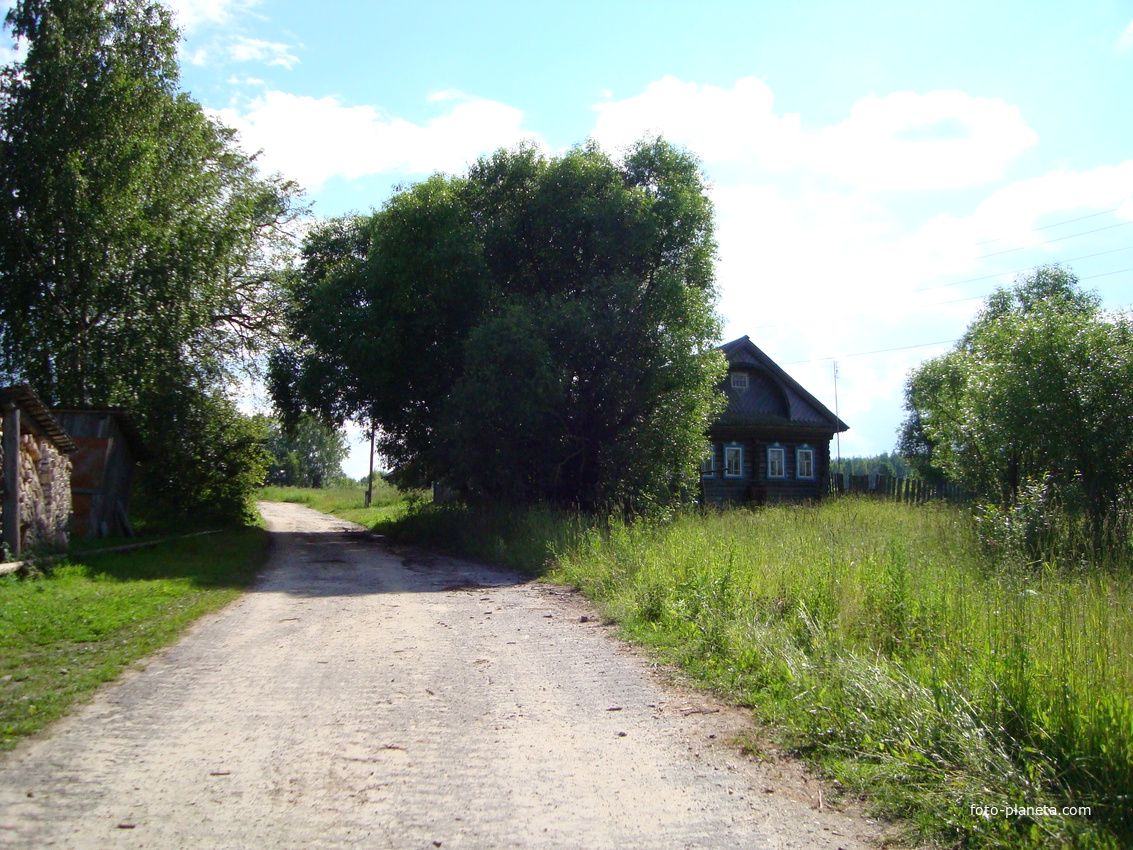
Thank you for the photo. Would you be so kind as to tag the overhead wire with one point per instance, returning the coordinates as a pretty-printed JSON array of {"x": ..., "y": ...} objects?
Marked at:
[
  {"x": 864, "y": 353},
  {"x": 991, "y": 276},
  {"x": 1043, "y": 227},
  {"x": 1052, "y": 241},
  {"x": 986, "y": 294},
  {"x": 1019, "y": 271}
]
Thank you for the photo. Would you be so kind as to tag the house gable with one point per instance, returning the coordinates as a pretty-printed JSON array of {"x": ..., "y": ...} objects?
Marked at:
[{"x": 772, "y": 397}]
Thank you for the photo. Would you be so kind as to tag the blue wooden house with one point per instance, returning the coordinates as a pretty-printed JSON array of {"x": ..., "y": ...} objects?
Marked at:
[{"x": 772, "y": 442}]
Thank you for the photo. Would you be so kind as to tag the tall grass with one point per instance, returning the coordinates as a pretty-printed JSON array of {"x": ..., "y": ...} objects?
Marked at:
[{"x": 886, "y": 643}]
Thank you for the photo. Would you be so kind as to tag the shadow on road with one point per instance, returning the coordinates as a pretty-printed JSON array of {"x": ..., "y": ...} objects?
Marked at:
[{"x": 358, "y": 563}]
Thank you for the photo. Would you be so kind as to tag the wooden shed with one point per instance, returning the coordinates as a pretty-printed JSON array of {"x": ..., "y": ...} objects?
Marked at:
[
  {"x": 108, "y": 448},
  {"x": 772, "y": 442},
  {"x": 35, "y": 510}
]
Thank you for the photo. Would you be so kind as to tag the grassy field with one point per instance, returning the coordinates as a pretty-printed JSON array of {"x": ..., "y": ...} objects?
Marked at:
[
  {"x": 883, "y": 642},
  {"x": 68, "y": 630}
]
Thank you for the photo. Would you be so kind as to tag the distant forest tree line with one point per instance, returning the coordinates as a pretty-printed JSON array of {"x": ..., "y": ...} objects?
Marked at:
[{"x": 892, "y": 464}]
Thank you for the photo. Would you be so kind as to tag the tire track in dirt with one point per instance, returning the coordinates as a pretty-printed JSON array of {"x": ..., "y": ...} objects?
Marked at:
[{"x": 360, "y": 697}]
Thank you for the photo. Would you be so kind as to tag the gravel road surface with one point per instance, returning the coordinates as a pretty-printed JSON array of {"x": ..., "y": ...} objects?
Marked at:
[{"x": 361, "y": 697}]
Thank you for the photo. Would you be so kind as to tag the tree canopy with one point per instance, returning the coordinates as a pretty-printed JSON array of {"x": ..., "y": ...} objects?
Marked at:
[
  {"x": 137, "y": 242},
  {"x": 1034, "y": 405},
  {"x": 307, "y": 454},
  {"x": 540, "y": 329}
]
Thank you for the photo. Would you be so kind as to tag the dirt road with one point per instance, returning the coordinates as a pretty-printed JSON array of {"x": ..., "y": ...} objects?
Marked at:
[{"x": 360, "y": 698}]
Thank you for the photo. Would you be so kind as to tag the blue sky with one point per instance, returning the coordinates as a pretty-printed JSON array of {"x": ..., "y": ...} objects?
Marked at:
[{"x": 876, "y": 166}]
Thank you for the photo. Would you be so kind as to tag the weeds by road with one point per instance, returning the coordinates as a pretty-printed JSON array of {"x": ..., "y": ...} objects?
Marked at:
[{"x": 79, "y": 624}]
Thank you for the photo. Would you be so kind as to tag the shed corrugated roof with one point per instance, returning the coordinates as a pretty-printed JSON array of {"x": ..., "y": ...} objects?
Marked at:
[
  {"x": 125, "y": 419},
  {"x": 24, "y": 397}
]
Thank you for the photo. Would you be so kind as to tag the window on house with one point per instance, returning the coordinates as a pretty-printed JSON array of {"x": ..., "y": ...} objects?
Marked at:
[
  {"x": 776, "y": 462},
  {"x": 708, "y": 465},
  {"x": 804, "y": 462},
  {"x": 739, "y": 380},
  {"x": 733, "y": 461}
]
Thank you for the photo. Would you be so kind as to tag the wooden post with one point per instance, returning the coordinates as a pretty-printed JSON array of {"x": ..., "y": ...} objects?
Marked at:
[
  {"x": 370, "y": 480},
  {"x": 12, "y": 478}
]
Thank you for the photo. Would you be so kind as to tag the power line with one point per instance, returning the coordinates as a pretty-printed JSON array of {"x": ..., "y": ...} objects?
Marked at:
[
  {"x": 978, "y": 297},
  {"x": 1052, "y": 241},
  {"x": 878, "y": 351},
  {"x": 923, "y": 307},
  {"x": 927, "y": 344},
  {"x": 1044, "y": 227},
  {"x": 998, "y": 274},
  {"x": 1105, "y": 274},
  {"x": 1019, "y": 271},
  {"x": 1056, "y": 224}
]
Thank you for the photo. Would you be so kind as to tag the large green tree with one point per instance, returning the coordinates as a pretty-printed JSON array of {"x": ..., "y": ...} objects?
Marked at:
[
  {"x": 1034, "y": 405},
  {"x": 541, "y": 329},
  {"x": 138, "y": 244}
]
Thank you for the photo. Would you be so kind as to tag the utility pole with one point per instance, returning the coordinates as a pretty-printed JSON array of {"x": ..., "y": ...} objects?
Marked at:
[
  {"x": 370, "y": 480},
  {"x": 837, "y": 434}
]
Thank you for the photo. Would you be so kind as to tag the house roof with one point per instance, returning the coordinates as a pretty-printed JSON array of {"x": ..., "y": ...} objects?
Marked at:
[
  {"x": 25, "y": 398},
  {"x": 778, "y": 400},
  {"x": 124, "y": 418}
]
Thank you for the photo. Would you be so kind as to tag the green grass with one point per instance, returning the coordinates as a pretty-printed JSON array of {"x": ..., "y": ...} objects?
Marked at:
[
  {"x": 68, "y": 630},
  {"x": 882, "y": 642}
]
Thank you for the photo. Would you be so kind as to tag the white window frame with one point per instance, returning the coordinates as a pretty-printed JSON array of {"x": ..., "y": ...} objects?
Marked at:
[
  {"x": 800, "y": 452},
  {"x": 740, "y": 381},
  {"x": 776, "y": 452},
  {"x": 734, "y": 451},
  {"x": 708, "y": 464}
]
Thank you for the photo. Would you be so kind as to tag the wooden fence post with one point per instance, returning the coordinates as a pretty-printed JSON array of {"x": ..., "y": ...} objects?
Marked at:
[
  {"x": 11, "y": 445},
  {"x": 914, "y": 491}
]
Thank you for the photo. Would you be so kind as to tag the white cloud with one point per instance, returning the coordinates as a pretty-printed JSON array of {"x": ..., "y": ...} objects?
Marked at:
[
  {"x": 447, "y": 94},
  {"x": 1008, "y": 217},
  {"x": 13, "y": 51},
  {"x": 192, "y": 14},
  {"x": 720, "y": 125},
  {"x": 243, "y": 49},
  {"x": 820, "y": 258},
  {"x": 903, "y": 141},
  {"x": 1126, "y": 39},
  {"x": 314, "y": 139},
  {"x": 940, "y": 140}
]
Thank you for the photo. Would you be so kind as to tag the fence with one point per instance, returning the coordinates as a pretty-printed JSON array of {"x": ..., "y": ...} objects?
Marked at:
[{"x": 895, "y": 489}]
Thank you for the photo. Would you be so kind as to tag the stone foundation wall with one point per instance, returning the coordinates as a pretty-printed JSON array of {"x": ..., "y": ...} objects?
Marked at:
[{"x": 45, "y": 494}]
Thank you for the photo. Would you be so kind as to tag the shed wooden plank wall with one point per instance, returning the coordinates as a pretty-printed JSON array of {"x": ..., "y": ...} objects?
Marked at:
[{"x": 103, "y": 474}]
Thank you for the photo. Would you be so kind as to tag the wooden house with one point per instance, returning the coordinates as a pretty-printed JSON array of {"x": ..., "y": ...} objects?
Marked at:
[
  {"x": 772, "y": 442},
  {"x": 35, "y": 510},
  {"x": 108, "y": 449}
]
